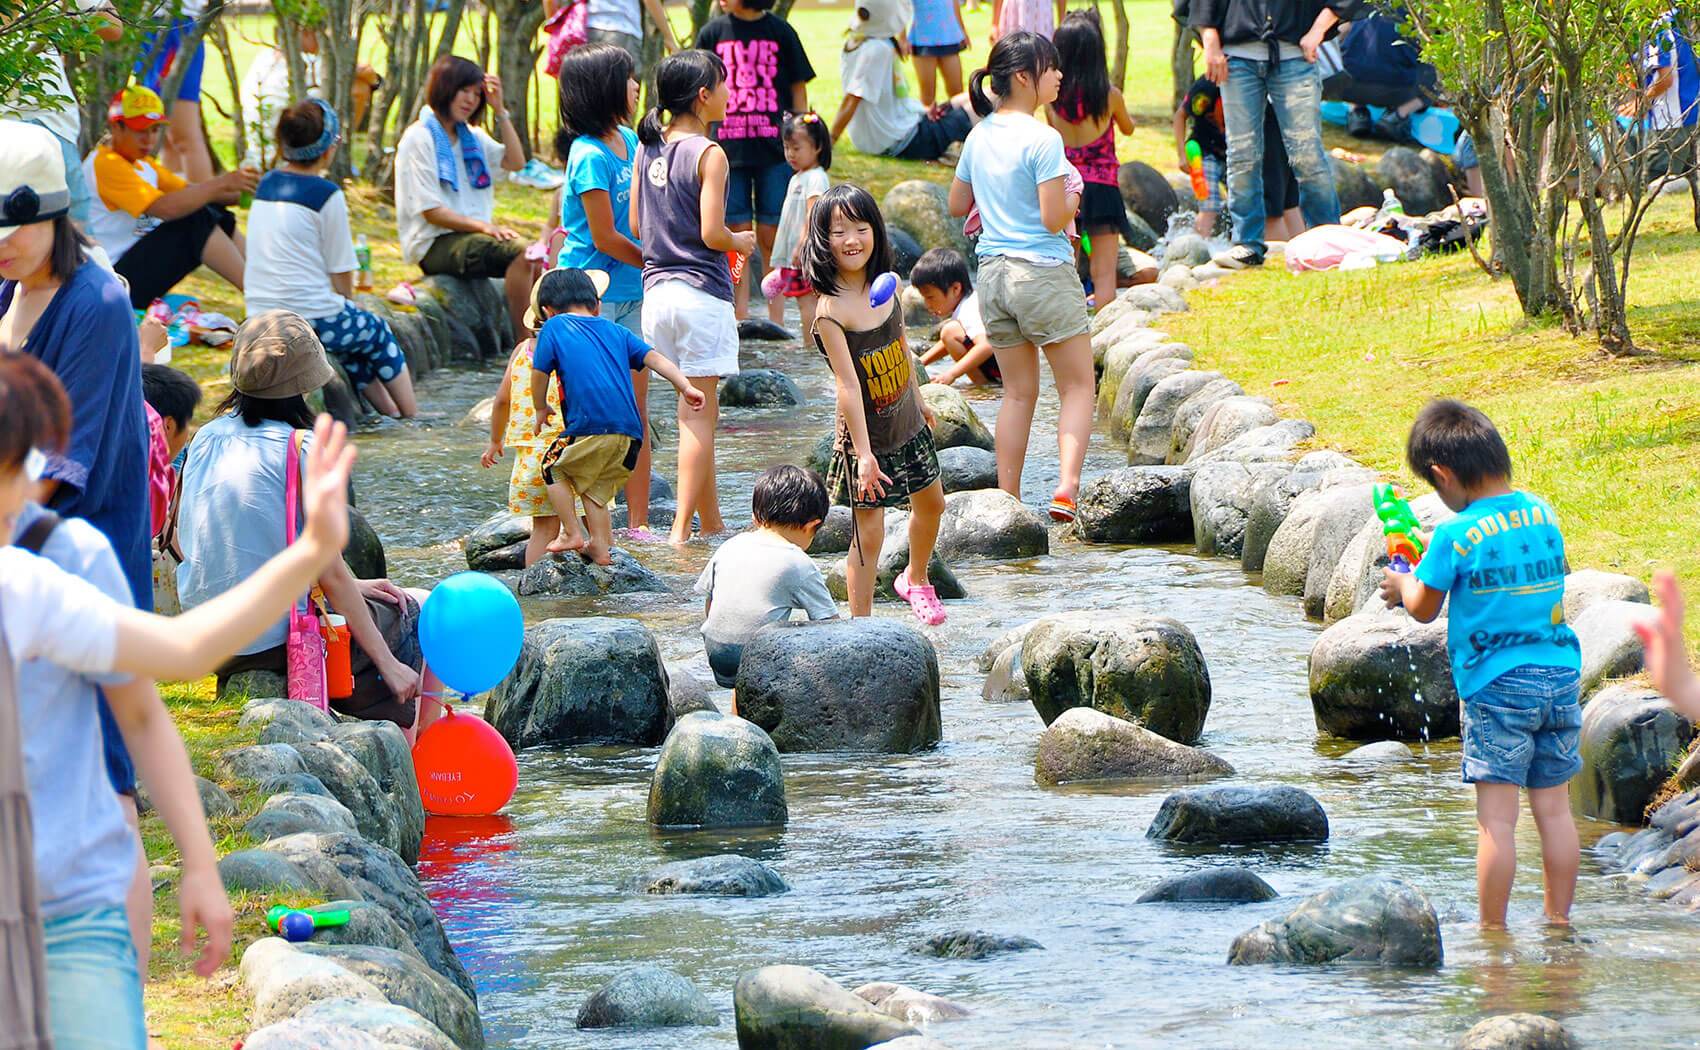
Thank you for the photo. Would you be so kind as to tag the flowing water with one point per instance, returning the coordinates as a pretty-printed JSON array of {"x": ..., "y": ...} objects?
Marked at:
[{"x": 882, "y": 851}]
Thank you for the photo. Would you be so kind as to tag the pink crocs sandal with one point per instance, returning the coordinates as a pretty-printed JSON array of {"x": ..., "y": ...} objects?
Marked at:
[
  {"x": 403, "y": 295},
  {"x": 923, "y": 601}
]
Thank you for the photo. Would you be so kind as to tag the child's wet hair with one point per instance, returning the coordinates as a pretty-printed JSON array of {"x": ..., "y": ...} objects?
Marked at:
[
  {"x": 1013, "y": 54},
  {"x": 815, "y": 258},
  {"x": 592, "y": 98},
  {"x": 1085, "y": 90},
  {"x": 679, "y": 80},
  {"x": 1460, "y": 438},
  {"x": 815, "y": 128},
  {"x": 790, "y": 496},
  {"x": 940, "y": 268}
]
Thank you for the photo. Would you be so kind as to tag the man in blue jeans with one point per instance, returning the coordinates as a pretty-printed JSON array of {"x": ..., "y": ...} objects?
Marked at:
[{"x": 1265, "y": 51}]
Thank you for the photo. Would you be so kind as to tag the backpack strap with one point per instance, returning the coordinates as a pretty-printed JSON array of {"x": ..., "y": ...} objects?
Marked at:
[{"x": 36, "y": 536}]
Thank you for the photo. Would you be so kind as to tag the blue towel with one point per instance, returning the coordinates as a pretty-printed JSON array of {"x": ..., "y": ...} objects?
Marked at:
[{"x": 471, "y": 151}]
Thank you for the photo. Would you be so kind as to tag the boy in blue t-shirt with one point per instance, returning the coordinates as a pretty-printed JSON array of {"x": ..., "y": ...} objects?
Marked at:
[
  {"x": 593, "y": 359},
  {"x": 1516, "y": 662}
]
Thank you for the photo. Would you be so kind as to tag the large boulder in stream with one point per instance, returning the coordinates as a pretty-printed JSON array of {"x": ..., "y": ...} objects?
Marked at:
[
  {"x": 1354, "y": 584},
  {"x": 478, "y": 306},
  {"x": 759, "y": 388},
  {"x": 498, "y": 543},
  {"x": 1236, "y": 815},
  {"x": 1518, "y": 1032},
  {"x": 1632, "y": 739},
  {"x": 1144, "y": 669},
  {"x": 990, "y": 524},
  {"x": 954, "y": 423},
  {"x": 593, "y": 680},
  {"x": 1383, "y": 676},
  {"x": 1373, "y": 919},
  {"x": 1307, "y": 547},
  {"x": 1271, "y": 499},
  {"x": 717, "y": 771},
  {"x": 647, "y": 997},
  {"x": 1083, "y": 744},
  {"x": 796, "y": 1008},
  {"x": 568, "y": 575},
  {"x": 842, "y": 685},
  {"x": 1221, "y": 497},
  {"x": 965, "y": 468},
  {"x": 1149, "y": 441},
  {"x": 1136, "y": 505}
]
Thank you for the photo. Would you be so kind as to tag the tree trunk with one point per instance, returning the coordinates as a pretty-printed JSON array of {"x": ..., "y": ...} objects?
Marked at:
[
  {"x": 516, "y": 60},
  {"x": 338, "y": 57},
  {"x": 289, "y": 42},
  {"x": 1181, "y": 73},
  {"x": 701, "y": 12},
  {"x": 1118, "y": 63},
  {"x": 221, "y": 40}
]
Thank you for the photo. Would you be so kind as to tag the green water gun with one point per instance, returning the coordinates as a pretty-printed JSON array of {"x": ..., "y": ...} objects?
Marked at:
[
  {"x": 299, "y": 924},
  {"x": 1400, "y": 525}
]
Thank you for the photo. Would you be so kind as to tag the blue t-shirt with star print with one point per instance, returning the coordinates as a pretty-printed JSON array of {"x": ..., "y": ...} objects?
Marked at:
[{"x": 1501, "y": 561}]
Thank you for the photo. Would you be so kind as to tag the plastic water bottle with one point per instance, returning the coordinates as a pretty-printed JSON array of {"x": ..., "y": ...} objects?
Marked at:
[
  {"x": 1390, "y": 204},
  {"x": 363, "y": 258}
]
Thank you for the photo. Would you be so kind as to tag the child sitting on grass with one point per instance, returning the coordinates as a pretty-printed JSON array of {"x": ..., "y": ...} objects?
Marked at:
[
  {"x": 1514, "y": 659},
  {"x": 513, "y": 424},
  {"x": 592, "y": 358},
  {"x": 764, "y": 575},
  {"x": 941, "y": 276}
]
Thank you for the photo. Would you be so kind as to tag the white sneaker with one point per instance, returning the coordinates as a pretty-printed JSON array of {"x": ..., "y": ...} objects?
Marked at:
[
  {"x": 1239, "y": 257},
  {"x": 537, "y": 175}
]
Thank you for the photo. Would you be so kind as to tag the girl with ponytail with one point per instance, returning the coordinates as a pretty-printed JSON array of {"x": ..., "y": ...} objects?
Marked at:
[
  {"x": 678, "y": 214},
  {"x": 1014, "y": 171}
]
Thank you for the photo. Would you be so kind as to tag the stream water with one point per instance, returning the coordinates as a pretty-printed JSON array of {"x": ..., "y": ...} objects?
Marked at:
[{"x": 882, "y": 851}]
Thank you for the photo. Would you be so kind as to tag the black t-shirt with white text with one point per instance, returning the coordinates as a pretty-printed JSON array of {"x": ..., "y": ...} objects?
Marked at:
[{"x": 764, "y": 59}]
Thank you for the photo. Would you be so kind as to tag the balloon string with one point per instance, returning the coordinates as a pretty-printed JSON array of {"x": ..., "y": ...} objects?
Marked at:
[{"x": 437, "y": 697}]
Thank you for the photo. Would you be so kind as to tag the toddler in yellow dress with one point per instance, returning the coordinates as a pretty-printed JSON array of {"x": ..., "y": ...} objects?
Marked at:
[{"x": 513, "y": 422}]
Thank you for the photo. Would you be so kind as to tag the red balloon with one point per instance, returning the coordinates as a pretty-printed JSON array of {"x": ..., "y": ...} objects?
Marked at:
[{"x": 464, "y": 767}]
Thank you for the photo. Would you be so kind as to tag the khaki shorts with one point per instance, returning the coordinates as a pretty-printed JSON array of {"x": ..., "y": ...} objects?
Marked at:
[
  {"x": 1024, "y": 303},
  {"x": 596, "y": 466}
]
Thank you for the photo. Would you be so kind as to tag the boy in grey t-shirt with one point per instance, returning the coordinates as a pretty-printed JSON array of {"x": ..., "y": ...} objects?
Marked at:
[{"x": 764, "y": 575}]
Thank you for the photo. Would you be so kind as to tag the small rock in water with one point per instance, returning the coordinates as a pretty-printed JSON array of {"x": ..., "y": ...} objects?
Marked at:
[
  {"x": 1230, "y": 885},
  {"x": 796, "y": 1008},
  {"x": 1236, "y": 815},
  {"x": 647, "y": 997},
  {"x": 965, "y": 468},
  {"x": 762, "y": 330},
  {"x": 1518, "y": 1032},
  {"x": 973, "y": 944},
  {"x": 726, "y": 875},
  {"x": 1086, "y": 745},
  {"x": 717, "y": 771},
  {"x": 479, "y": 414},
  {"x": 910, "y": 1004},
  {"x": 1372, "y": 919},
  {"x": 1006, "y": 681},
  {"x": 498, "y": 543},
  {"x": 759, "y": 388},
  {"x": 1382, "y": 751},
  {"x": 569, "y": 574}
]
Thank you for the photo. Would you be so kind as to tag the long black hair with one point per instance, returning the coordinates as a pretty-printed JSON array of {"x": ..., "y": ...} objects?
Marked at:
[
  {"x": 679, "y": 79},
  {"x": 70, "y": 246},
  {"x": 1019, "y": 52},
  {"x": 593, "y": 97},
  {"x": 857, "y": 205},
  {"x": 1085, "y": 90},
  {"x": 257, "y": 410}
]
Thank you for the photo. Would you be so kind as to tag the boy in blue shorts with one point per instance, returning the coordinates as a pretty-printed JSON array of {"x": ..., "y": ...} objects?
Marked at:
[{"x": 1516, "y": 662}]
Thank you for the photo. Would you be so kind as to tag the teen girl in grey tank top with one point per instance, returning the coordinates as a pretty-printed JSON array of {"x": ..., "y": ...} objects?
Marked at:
[{"x": 670, "y": 199}]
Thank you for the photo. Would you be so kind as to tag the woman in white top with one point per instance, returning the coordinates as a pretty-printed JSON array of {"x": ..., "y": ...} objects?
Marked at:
[{"x": 445, "y": 193}]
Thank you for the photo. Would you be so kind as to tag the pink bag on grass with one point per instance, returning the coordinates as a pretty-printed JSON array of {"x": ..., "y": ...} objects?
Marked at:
[
  {"x": 305, "y": 651},
  {"x": 1327, "y": 247}
]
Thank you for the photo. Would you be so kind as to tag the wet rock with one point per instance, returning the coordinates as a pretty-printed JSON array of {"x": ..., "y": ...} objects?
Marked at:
[
  {"x": 717, "y": 771},
  {"x": 1356, "y": 580},
  {"x": 1315, "y": 531},
  {"x": 1149, "y": 440},
  {"x": 1187, "y": 249},
  {"x": 1155, "y": 299},
  {"x": 1420, "y": 189},
  {"x": 842, "y": 685},
  {"x": 1226, "y": 420},
  {"x": 1276, "y": 443},
  {"x": 1586, "y": 587},
  {"x": 478, "y": 306},
  {"x": 1632, "y": 738},
  {"x": 1210, "y": 885},
  {"x": 762, "y": 330},
  {"x": 1192, "y": 411},
  {"x": 381, "y": 747},
  {"x": 912, "y": 1042},
  {"x": 647, "y": 997},
  {"x": 833, "y": 536},
  {"x": 349, "y": 783},
  {"x": 1355, "y": 187},
  {"x": 260, "y": 762},
  {"x": 1136, "y": 505},
  {"x": 1372, "y": 919},
  {"x": 955, "y": 423},
  {"x": 1383, "y": 676},
  {"x": 1006, "y": 682},
  {"x": 726, "y": 875},
  {"x": 1147, "y": 192},
  {"x": 1610, "y": 646},
  {"x": 281, "y": 980},
  {"x": 796, "y": 1008},
  {"x": 661, "y": 515},
  {"x": 353, "y": 867},
  {"x": 990, "y": 524},
  {"x": 581, "y": 681},
  {"x": 1518, "y": 1032},
  {"x": 394, "y": 1027},
  {"x": 996, "y": 647},
  {"x": 405, "y": 980},
  {"x": 368, "y": 924},
  {"x": 974, "y": 944},
  {"x": 1144, "y": 669},
  {"x": 921, "y": 207},
  {"x": 686, "y": 694},
  {"x": 911, "y": 1004},
  {"x": 1380, "y": 753},
  {"x": 1083, "y": 744},
  {"x": 1221, "y": 495},
  {"x": 288, "y": 814},
  {"x": 497, "y": 544},
  {"x": 759, "y": 388},
  {"x": 1140, "y": 238},
  {"x": 1272, "y": 499},
  {"x": 965, "y": 468},
  {"x": 569, "y": 574},
  {"x": 893, "y": 559},
  {"x": 1240, "y": 816},
  {"x": 257, "y": 871},
  {"x": 364, "y": 551},
  {"x": 294, "y": 784},
  {"x": 1136, "y": 386},
  {"x": 906, "y": 251}
]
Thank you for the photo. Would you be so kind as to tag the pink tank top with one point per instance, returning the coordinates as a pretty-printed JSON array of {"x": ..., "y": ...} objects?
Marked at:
[
  {"x": 1096, "y": 160},
  {"x": 1035, "y": 16}
]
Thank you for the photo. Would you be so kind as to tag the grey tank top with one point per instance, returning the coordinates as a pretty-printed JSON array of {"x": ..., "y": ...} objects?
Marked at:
[{"x": 670, "y": 216}]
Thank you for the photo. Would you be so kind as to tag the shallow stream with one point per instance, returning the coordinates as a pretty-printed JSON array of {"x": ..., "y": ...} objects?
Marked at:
[{"x": 883, "y": 851}]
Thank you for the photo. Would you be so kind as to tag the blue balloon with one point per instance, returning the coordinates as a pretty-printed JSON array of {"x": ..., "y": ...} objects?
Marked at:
[
  {"x": 471, "y": 630},
  {"x": 296, "y": 926}
]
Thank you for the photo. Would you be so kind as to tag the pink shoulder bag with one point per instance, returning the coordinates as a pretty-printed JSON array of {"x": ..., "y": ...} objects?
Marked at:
[{"x": 306, "y": 648}]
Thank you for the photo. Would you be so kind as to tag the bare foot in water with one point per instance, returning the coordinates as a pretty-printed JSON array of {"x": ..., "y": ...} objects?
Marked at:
[{"x": 564, "y": 543}]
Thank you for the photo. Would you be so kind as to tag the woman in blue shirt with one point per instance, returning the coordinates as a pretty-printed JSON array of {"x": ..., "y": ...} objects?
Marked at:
[{"x": 599, "y": 94}]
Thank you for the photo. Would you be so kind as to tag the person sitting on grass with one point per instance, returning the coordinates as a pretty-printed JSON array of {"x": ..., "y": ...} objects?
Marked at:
[
  {"x": 155, "y": 227},
  {"x": 877, "y": 111},
  {"x": 301, "y": 258},
  {"x": 765, "y": 575},
  {"x": 1516, "y": 663},
  {"x": 170, "y": 397},
  {"x": 591, "y": 358},
  {"x": 941, "y": 276}
]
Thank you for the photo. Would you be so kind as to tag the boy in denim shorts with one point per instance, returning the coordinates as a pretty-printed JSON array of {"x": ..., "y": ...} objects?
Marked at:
[{"x": 1516, "y": 662}]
